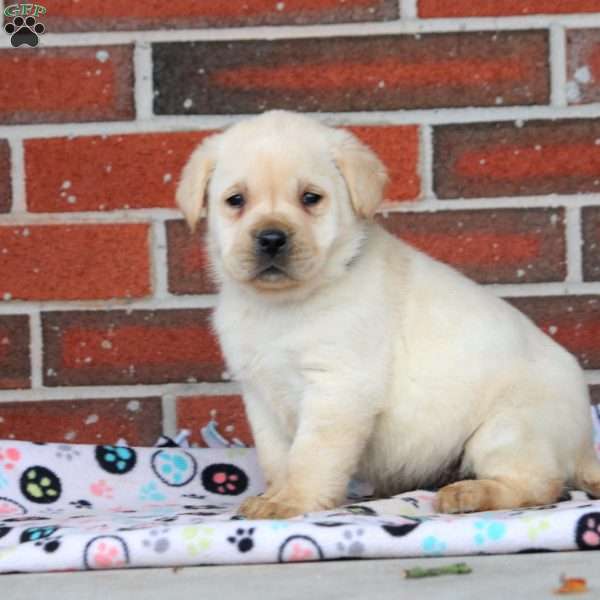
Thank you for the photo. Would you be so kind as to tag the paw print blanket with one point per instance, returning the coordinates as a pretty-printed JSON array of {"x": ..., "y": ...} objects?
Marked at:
[{"x": 74, "y": 507}]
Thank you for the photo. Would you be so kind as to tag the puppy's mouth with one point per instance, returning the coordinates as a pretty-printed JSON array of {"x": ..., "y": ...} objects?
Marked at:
[{"x": 271, "y": 273}]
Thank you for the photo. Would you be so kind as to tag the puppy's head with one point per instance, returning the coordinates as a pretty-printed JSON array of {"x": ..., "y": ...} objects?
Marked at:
[{"x": 286, "y": 198}]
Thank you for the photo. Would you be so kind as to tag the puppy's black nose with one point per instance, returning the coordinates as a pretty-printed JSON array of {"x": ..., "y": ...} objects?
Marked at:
[{"x": 271, "y": 241}]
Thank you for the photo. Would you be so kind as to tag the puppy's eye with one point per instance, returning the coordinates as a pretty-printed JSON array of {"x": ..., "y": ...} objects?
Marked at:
[
  {"x": 236, "y": 201},
  {"x": 310, "y": 198}
]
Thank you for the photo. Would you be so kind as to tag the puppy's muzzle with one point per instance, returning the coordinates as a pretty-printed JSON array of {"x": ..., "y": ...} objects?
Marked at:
[{"x": 271, "y": 242}]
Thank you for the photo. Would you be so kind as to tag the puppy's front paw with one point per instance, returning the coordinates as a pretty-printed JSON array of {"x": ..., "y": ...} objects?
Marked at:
[
  {"x": 261, "y": 507},
  {"x": 462, "y": 497}
]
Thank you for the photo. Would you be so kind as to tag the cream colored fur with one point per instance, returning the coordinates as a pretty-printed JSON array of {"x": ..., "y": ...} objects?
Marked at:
[{"x": 369, "y": 357}]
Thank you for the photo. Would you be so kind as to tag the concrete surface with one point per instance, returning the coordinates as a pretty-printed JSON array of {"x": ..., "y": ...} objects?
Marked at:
[{"x": 529, "y": 576}]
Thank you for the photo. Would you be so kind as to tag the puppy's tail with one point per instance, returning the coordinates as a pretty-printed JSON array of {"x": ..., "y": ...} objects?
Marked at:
[{"x": 587, "y": 477}]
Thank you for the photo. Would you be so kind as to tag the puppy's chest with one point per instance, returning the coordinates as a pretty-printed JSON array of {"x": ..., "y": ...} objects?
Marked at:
[{"x": 266, "y": 357}]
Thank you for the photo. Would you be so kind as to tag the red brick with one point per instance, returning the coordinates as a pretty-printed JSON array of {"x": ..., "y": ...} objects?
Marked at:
[
  {"x": 14, "y": 352},
  {"x": 398, "y": 147},
  {"x": 352, "y": 73},
  {"x": 512, "y": 159},
  {"x": 141, "y": 170},
  {"x": 91, "y": 15},
  {"x": 188, "y": 260},
  {"x": 498, "y": 8},
  {"x": 5, "y": 178},
  {"x": 228, "y": 412},
  {"x": 120, "y": 347},
  {"x": 573, "y": 321},
  {"x": 583, "y": 65},
  {"x": 74, "y": 262},
  {"x": 590, "y": 216},
  {"x": 66, "y": 84},
  {"x": 136, "y": 420},
  {"x": 490, "y": 246},
  {"x": 106, "y": 172}
]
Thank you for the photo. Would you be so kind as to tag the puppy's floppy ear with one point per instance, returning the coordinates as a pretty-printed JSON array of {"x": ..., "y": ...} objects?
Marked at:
[
  {"x": 192, "y": 188},
  {"x": 365, "y": 175}
]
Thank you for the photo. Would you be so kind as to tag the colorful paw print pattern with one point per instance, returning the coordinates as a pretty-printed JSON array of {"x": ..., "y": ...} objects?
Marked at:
[
  {"x": 33, "y": 534},
  {"x": 351, "y": 544},
  {"x": 106, "y": 552},
  {"x": 225, "y": 479},
  {"x": 198, "y": 539},
  {"x": 297, "y": 548},
  {"x": 48, "y": 545},
  {"x": 433, "y": 546},
  {"x": 9, "y": 458},
  {"x": 174, "y": 468},
  {"x": 243, "y": 539},
  {"x": 158, "y": 540},
  {"x": 587, "y": 532},
  {"x": 40, "y": 485},
  {"x": 101, "y": 489},
  {"x": 488, "y": 530},
  {"x": 9, "y": 508},
  {"x": 42, "y": 537},
  {"x": 75, "y": 507},
  {"x": 117, "y": 460},
  {"x": 150, "y": 492}
]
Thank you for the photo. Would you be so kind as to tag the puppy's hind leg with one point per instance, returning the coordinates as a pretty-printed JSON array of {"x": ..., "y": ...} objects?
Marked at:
[
  {"x": 587, "y": 477},
  {"x": 497, "y": 494},
  {"x": 512, "y": 469}
]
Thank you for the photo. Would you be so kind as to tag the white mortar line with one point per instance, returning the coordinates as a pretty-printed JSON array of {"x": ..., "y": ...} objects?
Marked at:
[
  {"x": 574, "y": 244},
  {"x": 500, "y": 202},
  {"x": 158, "y": 251},
  {"x": 408, "y": 9},
  {"x": 407, "y": 26},
  {"x": 169, "y": 124},
  {"x": 17, "y": 175},
  {"x": 119, "y": 391},
  {"x": 454, "y": 116},
  {"x": 592, "y": 377},
  {"x": 181, "y": 123},
  {"x": 141, "y": 216},
  {"x": 169, "y": 414},
  {"x": 142, "y": 64},
  {"x": 558, "y": 65},
  {"x": 426, "y": 161},
  {"x": 15, "y": 307},
  {"x": 516, "y": 290},
  {"x": 35, "y": 349}
]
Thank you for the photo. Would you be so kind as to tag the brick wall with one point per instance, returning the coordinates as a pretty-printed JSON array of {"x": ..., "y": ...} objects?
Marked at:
[{"x": 487, "y": 114}]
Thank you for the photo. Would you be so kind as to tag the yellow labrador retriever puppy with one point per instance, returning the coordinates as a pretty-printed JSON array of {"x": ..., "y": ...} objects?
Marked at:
[{"x": 356, "y": 353}]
